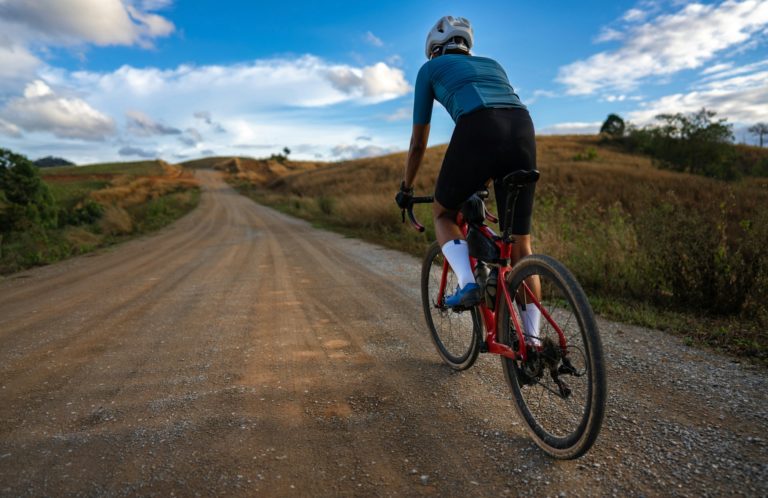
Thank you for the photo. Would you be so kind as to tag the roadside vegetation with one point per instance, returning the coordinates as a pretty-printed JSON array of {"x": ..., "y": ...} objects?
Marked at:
[
  {"x": 697, "y": 143},
  {"x": 51, "y": 214},
  {"x": 655, "y": 247}
]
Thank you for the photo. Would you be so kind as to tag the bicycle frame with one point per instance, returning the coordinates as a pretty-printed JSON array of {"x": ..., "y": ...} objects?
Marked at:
[{"x": 490, "y": 317}]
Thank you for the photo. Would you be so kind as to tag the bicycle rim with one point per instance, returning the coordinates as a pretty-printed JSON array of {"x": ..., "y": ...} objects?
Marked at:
[
  {"x": 564, "y": 411},
  {"x": 456, "y": 335}
]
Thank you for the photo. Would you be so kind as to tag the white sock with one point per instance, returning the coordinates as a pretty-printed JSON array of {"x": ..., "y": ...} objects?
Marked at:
[
  {"x": 457, "y": 254},
  {"x": 531, "y": 322}
]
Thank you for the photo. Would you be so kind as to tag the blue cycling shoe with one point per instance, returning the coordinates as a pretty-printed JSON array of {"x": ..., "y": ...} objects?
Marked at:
[{"x": 467, "y": 297}]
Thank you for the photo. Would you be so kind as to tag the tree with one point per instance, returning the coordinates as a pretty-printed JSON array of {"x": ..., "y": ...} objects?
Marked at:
[
  {"x": 281, "y": 158},
  {"x": 759, "y": 129},
  {"x": 613, "y": 126},
  {"x": 27, "y": 199},
  {"x": 694, "y": 143},
  {"x": 51, "y": 161}
]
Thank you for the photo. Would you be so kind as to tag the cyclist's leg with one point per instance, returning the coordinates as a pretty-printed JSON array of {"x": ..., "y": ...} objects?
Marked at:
[
  {"x": 464, "y": 171},
  {"x": 520, "y": 153},
  {"x": 446, "y": 228}
]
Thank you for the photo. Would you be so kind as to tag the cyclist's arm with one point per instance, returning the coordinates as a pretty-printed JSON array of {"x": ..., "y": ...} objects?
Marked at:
[
  {"x": 422, "y": 114},
  {"x": 419, "y": 138}
]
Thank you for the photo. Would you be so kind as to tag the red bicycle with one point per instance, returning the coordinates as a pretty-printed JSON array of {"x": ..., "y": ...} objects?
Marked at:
[{"x": 555, "y": 368}]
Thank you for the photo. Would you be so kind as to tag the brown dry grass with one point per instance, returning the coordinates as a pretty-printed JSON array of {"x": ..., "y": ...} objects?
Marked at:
[
  {"x": 126, "y": 191},
  {"x": 631, "y": 232},
  {"x": 115, "y": 221},
  {"x": 81, "y": 239},
  {"x": 255, "y": 171}
]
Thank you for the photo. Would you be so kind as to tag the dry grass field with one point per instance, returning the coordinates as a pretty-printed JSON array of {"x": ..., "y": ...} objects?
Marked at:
[{"x": 665, "y": 249}]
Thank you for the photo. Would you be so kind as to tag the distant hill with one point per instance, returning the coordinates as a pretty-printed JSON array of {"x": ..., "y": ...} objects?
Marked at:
[
  {"x": 51, "y": 161},
  {"x": 257, "y": 171}
]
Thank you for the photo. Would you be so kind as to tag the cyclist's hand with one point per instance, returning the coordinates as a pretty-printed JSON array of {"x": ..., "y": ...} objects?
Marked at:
[{"x": 404, "y": 197}]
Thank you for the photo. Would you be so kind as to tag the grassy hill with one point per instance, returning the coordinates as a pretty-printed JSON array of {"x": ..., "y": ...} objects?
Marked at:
[
  {"x": 99, "y": 205},
  {"x": 660, "y": 248}
]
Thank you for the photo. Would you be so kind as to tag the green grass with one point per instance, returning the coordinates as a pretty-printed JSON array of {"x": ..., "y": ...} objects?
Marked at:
[
  {"x": 136, "y": 168},
  {"x": 164, "y": 210},
  {"x": 68, "y": 194}
]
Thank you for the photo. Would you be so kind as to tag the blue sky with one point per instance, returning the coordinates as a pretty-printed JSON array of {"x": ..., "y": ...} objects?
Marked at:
[{"x": 98, "y": 80}]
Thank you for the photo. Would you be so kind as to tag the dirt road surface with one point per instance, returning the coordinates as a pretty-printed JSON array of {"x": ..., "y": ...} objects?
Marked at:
[{"x": 242, "y": 352}]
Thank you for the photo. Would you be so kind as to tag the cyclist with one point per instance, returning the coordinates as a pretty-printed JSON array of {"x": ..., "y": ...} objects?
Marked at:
[{"x": 493, "y": 137}]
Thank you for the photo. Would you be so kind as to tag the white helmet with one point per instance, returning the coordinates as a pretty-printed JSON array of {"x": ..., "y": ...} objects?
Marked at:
[{"x": 445, "y": 30}]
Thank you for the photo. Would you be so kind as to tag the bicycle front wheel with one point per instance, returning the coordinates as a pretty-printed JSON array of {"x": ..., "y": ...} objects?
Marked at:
[
  {"x": 560, "y": 392},
  {"x": 456, "y": 334}
]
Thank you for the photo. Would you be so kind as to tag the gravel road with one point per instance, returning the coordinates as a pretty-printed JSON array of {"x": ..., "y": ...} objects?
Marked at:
[{"x": 243, "y": 352}]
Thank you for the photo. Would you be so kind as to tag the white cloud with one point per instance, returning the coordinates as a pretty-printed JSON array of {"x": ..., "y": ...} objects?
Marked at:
[
  {"x": 373, "y": 39},
  {"x": 609, "y": 34},
  {"x": 742, "y": 98},
  {"x": 101, "y": 22},
  {"x": 717, "y": 68},
  {"x": 9, "y": 129},
  {"x": 394, "y": 60},
  {"x": 191, "y": 137},
  {"x": 129, "y": 150},
  {"x": 359, "y": 151},
  {"x": 17, "y": 66},
  {"x": 721, "y": 71},
  {"x": 205, "y": 116},
  {"x": 40, "y": 109},
  {"x": 400, "y": 114},
  {"x": 270, "y": 83},
  {"x": 668, "y": 44},
  {"x": 142, "y": 125},
  {"x": 573, "y": 128},
  {"x": 538, "y": 94},
  {"x": 375, "y": 83},
  {"x": 634, "y": 15}
]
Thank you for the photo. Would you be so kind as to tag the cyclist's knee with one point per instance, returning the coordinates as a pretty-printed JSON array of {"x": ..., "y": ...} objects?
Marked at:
[
  {"x": 440, "y": 212},
  {"x": 522, "y": 247}
]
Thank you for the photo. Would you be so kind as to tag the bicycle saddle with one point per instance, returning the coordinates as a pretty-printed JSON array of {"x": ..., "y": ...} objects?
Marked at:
[{"x": 522, "y": 177}]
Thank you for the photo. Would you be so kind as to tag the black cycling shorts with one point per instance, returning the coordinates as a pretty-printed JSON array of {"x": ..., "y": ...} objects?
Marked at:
[{"x": 489, "y": 144}]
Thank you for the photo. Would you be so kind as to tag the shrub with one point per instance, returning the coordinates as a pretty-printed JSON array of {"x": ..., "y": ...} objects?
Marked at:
[
  {"x": 588, "y": 154},
  {"x": 696, "y": 264},
  {"x": 28, "y": 200},
  {"x": 325, "y": 204},
  {"x": 115, "y": 221},
  {"x": 85, "y": 214},
  {"x": 613, "y": 126},
  {"x": 692, "y": 143}
]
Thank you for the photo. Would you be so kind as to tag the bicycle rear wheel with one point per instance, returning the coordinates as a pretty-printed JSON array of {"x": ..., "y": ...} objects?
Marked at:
[
  {"x": 559, "y": 393},
  {"x": 456, "y": 334}
]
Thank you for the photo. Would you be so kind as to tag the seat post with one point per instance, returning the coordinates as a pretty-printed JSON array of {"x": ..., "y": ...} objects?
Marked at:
[{"x": 513, "y": 191}]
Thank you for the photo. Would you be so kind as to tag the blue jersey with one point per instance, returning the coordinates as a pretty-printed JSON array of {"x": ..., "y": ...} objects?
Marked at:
[{"x": 462, "y": 84}]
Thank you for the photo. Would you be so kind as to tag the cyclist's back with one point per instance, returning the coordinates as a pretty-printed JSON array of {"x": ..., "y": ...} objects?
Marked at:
[{"x": 462, "y": 83}]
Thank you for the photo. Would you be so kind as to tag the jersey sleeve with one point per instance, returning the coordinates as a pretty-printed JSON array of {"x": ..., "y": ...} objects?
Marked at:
[{"x": 423, "y": 97}]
